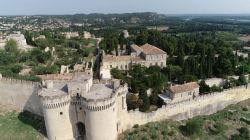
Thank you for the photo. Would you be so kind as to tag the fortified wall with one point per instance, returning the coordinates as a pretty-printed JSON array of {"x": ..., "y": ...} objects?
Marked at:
[
  {"x": 20, "y": 95},
  {"x": 202, "y": 105},
  {"x": 102, "y": 116}
]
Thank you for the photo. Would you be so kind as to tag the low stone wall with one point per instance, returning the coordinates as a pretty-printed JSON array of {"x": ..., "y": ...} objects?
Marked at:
[
  {"x": 20, "y": 95},
  {"x": 202, "y": 105}
]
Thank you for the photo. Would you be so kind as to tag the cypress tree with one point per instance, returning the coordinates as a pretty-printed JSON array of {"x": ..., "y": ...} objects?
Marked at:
[{"x": 145, "y": 102}]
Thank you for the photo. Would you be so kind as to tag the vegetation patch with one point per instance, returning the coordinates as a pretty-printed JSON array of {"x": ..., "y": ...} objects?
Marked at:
[
  {"x": 21, "y": 126},
  {"x": 230, "y": 123}
]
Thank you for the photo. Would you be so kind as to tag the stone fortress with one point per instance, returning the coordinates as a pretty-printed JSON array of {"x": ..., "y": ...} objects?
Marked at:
[{"x": 76, "y": 107}]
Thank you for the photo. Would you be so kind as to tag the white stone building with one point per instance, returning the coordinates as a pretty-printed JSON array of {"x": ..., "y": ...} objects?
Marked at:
[
  {"x": 69, "y": 35},
  {"x": 87, "y": 35},
  {"x": 146, "y": 55},
  {"x": 125, "y": 33},
  {"x": 179, "y": 93}
]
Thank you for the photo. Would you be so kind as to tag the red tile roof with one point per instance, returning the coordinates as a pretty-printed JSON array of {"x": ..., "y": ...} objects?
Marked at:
[
  {"x": 184, "y": 88},
  {"x": 151, "y": 50}
]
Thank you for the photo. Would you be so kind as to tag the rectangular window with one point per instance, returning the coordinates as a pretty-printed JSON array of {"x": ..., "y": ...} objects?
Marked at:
[
  {"x": 111, "y": 66},
  {"x": 117, "y": 126},
  {"x": 123, "y": 103}
]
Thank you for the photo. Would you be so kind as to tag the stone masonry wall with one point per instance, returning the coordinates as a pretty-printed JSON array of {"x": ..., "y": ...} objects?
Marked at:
[
  {"x": 203, "y": 105},
  {"x": 20, "y": 95}
]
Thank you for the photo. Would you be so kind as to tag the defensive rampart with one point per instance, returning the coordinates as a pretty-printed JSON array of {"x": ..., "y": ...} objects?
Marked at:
[
  {"x": 202, "y": 105},
  {"x": 20, "y": 95}
]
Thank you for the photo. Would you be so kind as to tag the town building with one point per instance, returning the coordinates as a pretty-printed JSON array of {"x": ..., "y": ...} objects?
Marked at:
[
  {"x": 179, "y": 93},
  {"x": 69, "y": 35},
  {"x": 87, "y": 35},
  {"x": 146, "y": 55},
  {"x": 125, "y": 33}
]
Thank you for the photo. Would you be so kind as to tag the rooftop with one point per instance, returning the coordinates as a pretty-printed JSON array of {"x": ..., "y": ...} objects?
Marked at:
[
  {"x": 110, "y": 58},
  {"x": 136, "y": 48},
  {"x": 150, "y": 49},
  {"x": 184, "y": 88},
  {"x": 59, "y": 88},
  {"x": 99, "y": 91},
  {"x": 78, "y": 82}
]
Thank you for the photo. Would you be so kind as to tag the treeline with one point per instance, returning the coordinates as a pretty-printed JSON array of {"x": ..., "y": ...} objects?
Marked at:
[{"x": 191, "y": 56}]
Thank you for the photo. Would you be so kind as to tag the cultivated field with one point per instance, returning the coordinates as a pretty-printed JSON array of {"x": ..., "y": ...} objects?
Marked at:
[{"x": 245, "y": 38}]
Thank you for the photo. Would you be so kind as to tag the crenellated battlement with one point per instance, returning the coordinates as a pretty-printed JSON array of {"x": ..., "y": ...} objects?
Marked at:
[
  {"x": 16, "y": 81},
  {"x": 101, "y": 104},
  {"x": 55, "y": 101},
  {"x": 201, "y": 98},
  {"x": 65, "y": 77}
]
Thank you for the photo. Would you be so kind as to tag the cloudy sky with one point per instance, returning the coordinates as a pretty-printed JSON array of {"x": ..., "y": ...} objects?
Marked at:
[{"x": 33, "y": 7}]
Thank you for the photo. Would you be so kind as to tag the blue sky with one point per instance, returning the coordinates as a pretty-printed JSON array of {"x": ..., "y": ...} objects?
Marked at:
[{"x": 32, "y": 7}]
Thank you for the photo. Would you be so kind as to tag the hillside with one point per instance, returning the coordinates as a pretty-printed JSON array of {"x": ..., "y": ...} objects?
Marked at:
[
  {"x": 20, "y": 126},
  {"x": 231, "y": 123}
]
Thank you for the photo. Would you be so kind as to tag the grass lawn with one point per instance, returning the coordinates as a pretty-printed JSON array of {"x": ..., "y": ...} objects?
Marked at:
[
  {"x": 21, "y": 126},
  {"x": 219, "y": 126}
]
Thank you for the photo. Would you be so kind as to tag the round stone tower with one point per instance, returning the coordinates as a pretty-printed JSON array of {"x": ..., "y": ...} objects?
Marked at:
[
  {"x": 56, "y": 104},
  {"x": 101, "y": 118}
]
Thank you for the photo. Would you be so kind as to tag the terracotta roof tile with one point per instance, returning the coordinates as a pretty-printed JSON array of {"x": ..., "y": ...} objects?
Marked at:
[
  {"x": 136, "y": 48},
  {"x": 110, "y": 58},
  {"x": 184, "y": 88},
  {"x": 150, "y": 49}
]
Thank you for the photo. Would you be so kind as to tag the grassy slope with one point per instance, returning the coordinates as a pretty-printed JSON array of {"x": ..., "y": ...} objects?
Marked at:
[
  {"x": 23, "y": 126},
  {"x": 219, "y": 126}
]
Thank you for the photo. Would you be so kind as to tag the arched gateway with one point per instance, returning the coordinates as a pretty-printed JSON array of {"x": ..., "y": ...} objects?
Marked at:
[{"x": 81, "y": 131}]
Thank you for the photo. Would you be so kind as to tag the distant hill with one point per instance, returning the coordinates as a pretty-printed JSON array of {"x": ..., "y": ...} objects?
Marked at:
[{"x": 118, "y": 18}]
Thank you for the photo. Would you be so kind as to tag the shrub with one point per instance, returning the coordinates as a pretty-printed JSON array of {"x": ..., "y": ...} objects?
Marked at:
[
  {"x": 144, "y": 138},
  {"x": 145, "y": 102},
  {"x": 215, "y": 88},
  {"x": 192, "y": 127},
  {"x": 136, "y": 126},
  {"x": 154, "y": 136},
  {"x": 164, "y": 132},
  {"x": 242, "y": 80},
  {"x": 136, "y": 132},
  {"x": 204, "y": 88},
  {"x": 217, "y": 128},
  {"x": 245, "y": 120},
  {"x": 244, "y": 134},
  {"x": 171, "y": 133},
  {"x": 245, "y": 109}
]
